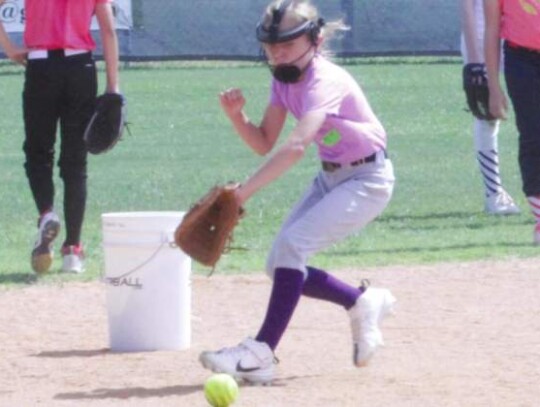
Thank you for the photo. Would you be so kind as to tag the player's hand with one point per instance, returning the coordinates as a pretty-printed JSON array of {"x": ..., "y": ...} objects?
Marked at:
[
  {"x": 17, "y": 55},
  {"x": 240, "y": 195},
  {"x": 498, "y": 103},
  {"x": 232, "y": 101}
]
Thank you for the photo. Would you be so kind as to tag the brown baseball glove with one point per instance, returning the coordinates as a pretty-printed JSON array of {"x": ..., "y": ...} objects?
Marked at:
[{"x": 206, "y": 230}]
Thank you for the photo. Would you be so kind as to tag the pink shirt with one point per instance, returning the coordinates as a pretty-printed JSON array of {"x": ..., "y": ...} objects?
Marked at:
[
  {"x": 351, "y": 129},
  {"x": 54, "y": 24},
  {"x": 520, "y": 22}
]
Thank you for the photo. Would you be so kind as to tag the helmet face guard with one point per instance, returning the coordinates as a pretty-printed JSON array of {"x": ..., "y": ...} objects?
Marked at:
[
  {"x": 289, "y": 73},
  {"x": 272, "y": 35}
]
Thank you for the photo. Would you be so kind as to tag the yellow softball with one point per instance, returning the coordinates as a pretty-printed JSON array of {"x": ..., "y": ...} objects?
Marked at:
[{"x": 220, "y": 390}]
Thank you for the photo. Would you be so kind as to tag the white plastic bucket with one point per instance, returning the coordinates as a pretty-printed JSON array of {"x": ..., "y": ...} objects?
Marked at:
[{"x": 148, "y": 282}]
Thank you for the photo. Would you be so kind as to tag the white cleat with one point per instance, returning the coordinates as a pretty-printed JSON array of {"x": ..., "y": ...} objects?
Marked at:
[
  {"x": 501, "y": 203},
  {"x": 42, "y": 253},
  {"x": 366, "y": 316},
  {"x": 72, "y": 259},
  {"x": 251, "y": 361}
]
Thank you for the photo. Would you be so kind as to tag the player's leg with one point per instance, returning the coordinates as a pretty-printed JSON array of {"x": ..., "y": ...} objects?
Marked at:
[
  {"x": 497, "y": 200},
  {"x": 346, "y": 209},
  {"x": 40, "y": 110},
  {"x": 76, "y": 112},
  {"x": 253, "y": 360},
  {"x": 310, "y": 228},
  {"x": 346, "y": 206},
  {"x": 534, "y": 202},
  {"x": 485, "y": 135},
  {"x": 321, "y": 285},
  {"x": 522, "y": 75},
  {"x": 301, "y": 235},
  {"x": 318, "y": 284}
]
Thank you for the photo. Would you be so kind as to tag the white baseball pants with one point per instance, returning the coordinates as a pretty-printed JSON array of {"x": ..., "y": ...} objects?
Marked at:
[{"x": 338, "y": 204}]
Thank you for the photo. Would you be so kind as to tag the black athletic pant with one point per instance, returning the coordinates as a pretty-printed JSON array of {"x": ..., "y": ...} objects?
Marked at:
[
  {"x": 522, "y": 73},
  {"x": 59, "y": 89}
]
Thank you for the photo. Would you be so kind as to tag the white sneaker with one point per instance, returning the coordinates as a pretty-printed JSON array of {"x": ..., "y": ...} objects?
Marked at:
[
  {"x": 501, "y": 204},
  {"x": 366, "y": 315},
  {"x": 251, "y": 361},
  {"x": 72, "y": 259},
  {"x": 42, "y": 253}
]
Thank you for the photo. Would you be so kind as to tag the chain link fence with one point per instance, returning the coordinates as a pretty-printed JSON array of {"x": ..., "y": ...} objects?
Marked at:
[{"x": 225, "y": 29}]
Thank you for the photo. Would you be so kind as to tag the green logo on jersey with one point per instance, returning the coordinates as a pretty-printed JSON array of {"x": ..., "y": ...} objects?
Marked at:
[
  {"x": 528, "y": 7},
  {"x": 331, "y": 139}
]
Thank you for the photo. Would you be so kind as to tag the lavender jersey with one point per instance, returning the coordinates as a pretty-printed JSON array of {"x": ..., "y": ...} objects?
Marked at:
[{"x": 351, "y": 129}]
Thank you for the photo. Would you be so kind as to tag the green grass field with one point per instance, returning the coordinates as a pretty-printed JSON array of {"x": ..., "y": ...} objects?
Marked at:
[{"x": 181, "y": 144}]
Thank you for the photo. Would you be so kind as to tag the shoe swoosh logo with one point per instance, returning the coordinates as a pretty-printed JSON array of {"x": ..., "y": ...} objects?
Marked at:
[{"x": 240, "y": 368}]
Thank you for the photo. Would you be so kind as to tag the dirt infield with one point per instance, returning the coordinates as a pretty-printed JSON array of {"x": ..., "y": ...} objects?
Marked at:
[{"x": 464, "y": 335}]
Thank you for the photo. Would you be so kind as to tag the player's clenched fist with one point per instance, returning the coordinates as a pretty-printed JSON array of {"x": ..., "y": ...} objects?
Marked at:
[{"x": 232, "y": 101}]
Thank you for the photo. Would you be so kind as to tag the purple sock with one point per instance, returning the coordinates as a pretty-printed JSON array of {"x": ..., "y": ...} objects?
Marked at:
[
  {"x": 323, "y": 286},
  {"x": 286, "y": 292}
]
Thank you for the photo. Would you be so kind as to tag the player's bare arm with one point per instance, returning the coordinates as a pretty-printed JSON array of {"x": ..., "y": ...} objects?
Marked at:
[
  {"x": 109, "y": 39},
  {"x": 14, "y": 53},
  {"x": 498, "y": 104},
  {"x": 285, "y": 157},
  {"x": 261, "y": 139}
]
